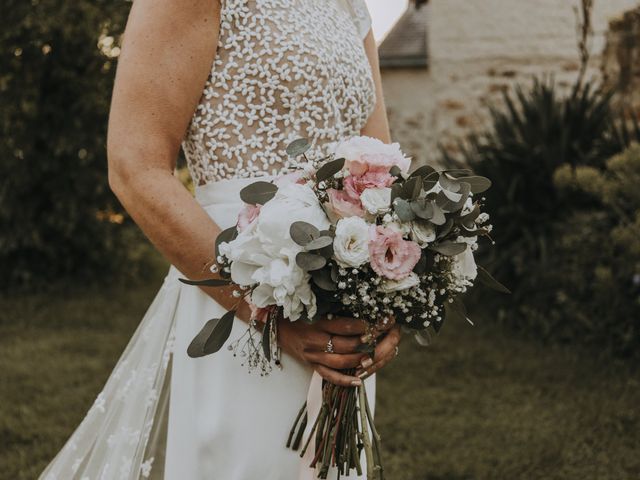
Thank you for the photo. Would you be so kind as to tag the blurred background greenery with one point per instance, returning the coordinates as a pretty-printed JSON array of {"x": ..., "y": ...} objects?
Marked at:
[{"x": 546, "y": 384}]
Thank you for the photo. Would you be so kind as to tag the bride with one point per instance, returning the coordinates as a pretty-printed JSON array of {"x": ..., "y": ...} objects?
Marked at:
[{"x": 232, "y": 82}]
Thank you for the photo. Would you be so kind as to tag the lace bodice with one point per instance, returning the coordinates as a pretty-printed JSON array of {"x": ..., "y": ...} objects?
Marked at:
[{"x": 284, "y": 69}]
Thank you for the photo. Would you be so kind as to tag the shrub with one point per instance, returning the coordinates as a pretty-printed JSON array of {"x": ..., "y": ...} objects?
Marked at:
[
  {"x": 551, "y": 247},
  {"x": 57, "y": 215}
]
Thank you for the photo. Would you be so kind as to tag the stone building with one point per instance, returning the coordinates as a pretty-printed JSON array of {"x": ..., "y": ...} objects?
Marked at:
[{"x": 473, "y": 51}]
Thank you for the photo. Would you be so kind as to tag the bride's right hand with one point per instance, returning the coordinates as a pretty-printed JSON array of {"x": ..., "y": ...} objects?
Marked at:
[{"x": 308, "y": 343}]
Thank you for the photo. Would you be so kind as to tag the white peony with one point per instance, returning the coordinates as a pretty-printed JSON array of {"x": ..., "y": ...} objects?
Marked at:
[
  {"x": 376, "y": 200},
  {"x": 265, "y": 254},
  {"x": 351, "y": 243},
  {"x": 423, "y": 233},
  {"x": 355, "y": 148},
  {"x": 410, "y": 281}
]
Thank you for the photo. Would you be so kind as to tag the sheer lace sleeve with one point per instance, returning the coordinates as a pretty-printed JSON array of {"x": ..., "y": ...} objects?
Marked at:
[{"x": 361, "y": 16}]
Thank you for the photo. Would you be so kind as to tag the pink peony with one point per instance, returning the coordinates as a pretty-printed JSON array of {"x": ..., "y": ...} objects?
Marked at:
[
  {"x": 354, "y": 185},
  {"x": 392, "y": 256},
  {"x": 343, "y": 204},
  {"x": 247, "y": 215}
]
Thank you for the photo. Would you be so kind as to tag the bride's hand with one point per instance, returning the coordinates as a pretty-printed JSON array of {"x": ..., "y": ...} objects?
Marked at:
[{"x": 309, "y": 343}]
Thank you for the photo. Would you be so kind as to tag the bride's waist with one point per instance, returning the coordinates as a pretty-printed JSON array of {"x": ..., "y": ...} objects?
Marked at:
[{"x": 221, "y": 199}]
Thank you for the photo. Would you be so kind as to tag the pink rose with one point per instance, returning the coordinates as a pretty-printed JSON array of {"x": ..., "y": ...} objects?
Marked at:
[
  {"x": 343, "y": 204},
  {"x": 392, "y": 256},
  {"x": 247, "y": 215},
  {"x": 354, "y": 185},
  {"x": 378, "y": 162},
  {"x": 296, "y": 176}
]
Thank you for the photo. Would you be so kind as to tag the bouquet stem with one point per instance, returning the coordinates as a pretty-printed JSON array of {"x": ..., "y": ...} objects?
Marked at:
[{"x": 342, "y": 429}]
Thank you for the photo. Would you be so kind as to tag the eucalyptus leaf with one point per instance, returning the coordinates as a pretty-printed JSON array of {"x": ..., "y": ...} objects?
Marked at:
[
  {"x": 310, "y": 261},
  {"x": 439, "y": 217},
  {"x": 212, "y": 336},
  {"x": 412, "y": 188},
  {"x": 423, "y": 208},
  {"x": 329, "y": 169},
  {"x": 395, "y": 171},
  {"x": 322, "y": 278},
  {"x": 258, "y": 193},
  {"x": 424, "y": 171},
  {"x": 209, "y": 282},
  {"x": 303, "y": 233},
  {"x": 451, "y": 206},
  {"x": 320, "y": 242},
  {"x": 396, "y": 191},
  {"x": 298, "y": 147},
  {"x": 403, "y": 210},
  {"x": 449, "y": 248},
  {"x": 468, "y": 220},
  {"x": 455, "y": 311},
  {"x": 449, "y": 183},
  {"x": 485, "y": 278},
  {"x": 430, "y": 181},
  {"x": 478, "y": 184},
  {"x": 445, "y": 229}
]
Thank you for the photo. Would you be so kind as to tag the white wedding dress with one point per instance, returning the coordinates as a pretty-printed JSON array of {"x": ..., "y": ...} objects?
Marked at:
[{"x": 284, "y": 69}]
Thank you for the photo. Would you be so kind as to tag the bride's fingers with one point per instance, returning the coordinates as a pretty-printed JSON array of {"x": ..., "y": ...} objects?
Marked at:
[
  {"x": 342, "y": 326},
  {"x": 340, "y": 344},
  {"x": 334, "y": 360},
  {"x": 385, "y": 352},
  {"x": 335, "y": 377}
]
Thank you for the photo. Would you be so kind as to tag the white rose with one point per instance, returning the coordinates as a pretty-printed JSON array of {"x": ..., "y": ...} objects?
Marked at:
[
  {"x": 265, "y": 255},
  {"x": 423, "y": 233},
  {"x": 292, "y": 203},
  {"x": 376, "y": 200},
  {"x": 355, "y": 148},
  {"x": 410, "y": 281},
  {"x": 351, "y": 243}
]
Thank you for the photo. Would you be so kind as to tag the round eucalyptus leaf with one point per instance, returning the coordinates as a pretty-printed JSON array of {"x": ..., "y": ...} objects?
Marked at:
[
  {"x": 476, "y": 183},
  {"x": 403, "y": 210},
  {"x": 303, "y": 233},
  {"x": 320, "y": 242},
  {"x": 310, "y": 261},
  {"x": 298, "y": 147},
  {"x": 329, "y": 169},
  {"x": 449, "y": 248},
  {"x": 258, "y": 193}
]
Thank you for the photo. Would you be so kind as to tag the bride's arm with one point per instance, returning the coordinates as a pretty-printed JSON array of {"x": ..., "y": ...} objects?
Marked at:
[
  {"x": 166, "y": 56},
  {"x": 168, "y": 49},
  {"x": 377, "y": 126}
]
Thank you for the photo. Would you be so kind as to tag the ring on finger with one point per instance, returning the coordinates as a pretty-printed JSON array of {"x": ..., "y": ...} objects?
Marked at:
[{"x": 329, "y": 347}]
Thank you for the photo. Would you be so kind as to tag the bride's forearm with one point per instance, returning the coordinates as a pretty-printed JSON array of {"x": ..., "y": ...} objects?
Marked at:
[
  {"x": 175, "y": 223},
  {"x": 377, "y": 125}
]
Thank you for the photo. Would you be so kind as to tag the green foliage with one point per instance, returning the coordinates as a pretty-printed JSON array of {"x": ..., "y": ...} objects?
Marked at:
[
  {"x": 448, "y": 413},
  {"x": 57, "y": 215},
  {"x": 553, "y": 233}
]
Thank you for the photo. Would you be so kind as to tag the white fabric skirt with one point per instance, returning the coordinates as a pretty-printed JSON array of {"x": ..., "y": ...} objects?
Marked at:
[{"x": 163, "y": 415}]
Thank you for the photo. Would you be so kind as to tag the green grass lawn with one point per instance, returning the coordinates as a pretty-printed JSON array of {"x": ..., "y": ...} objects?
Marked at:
[{"x": 474, "y": 405}]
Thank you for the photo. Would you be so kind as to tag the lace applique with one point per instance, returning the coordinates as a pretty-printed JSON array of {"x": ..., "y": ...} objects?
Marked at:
[{"x": 284, "y": 69}]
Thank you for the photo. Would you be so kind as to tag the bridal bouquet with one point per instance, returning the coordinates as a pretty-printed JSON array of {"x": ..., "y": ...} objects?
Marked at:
[{"x": 355, "y": 235}]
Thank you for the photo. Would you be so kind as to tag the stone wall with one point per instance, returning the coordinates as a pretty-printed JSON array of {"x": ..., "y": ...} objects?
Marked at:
[{"x": 478, "y": 50}]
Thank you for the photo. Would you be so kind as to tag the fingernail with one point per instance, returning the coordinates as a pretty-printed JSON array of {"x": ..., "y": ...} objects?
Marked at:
[
  {"x": 363, "y": 375},
  {"x": 356, "y": 383},
  {"x": 366, "y": 363}
]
